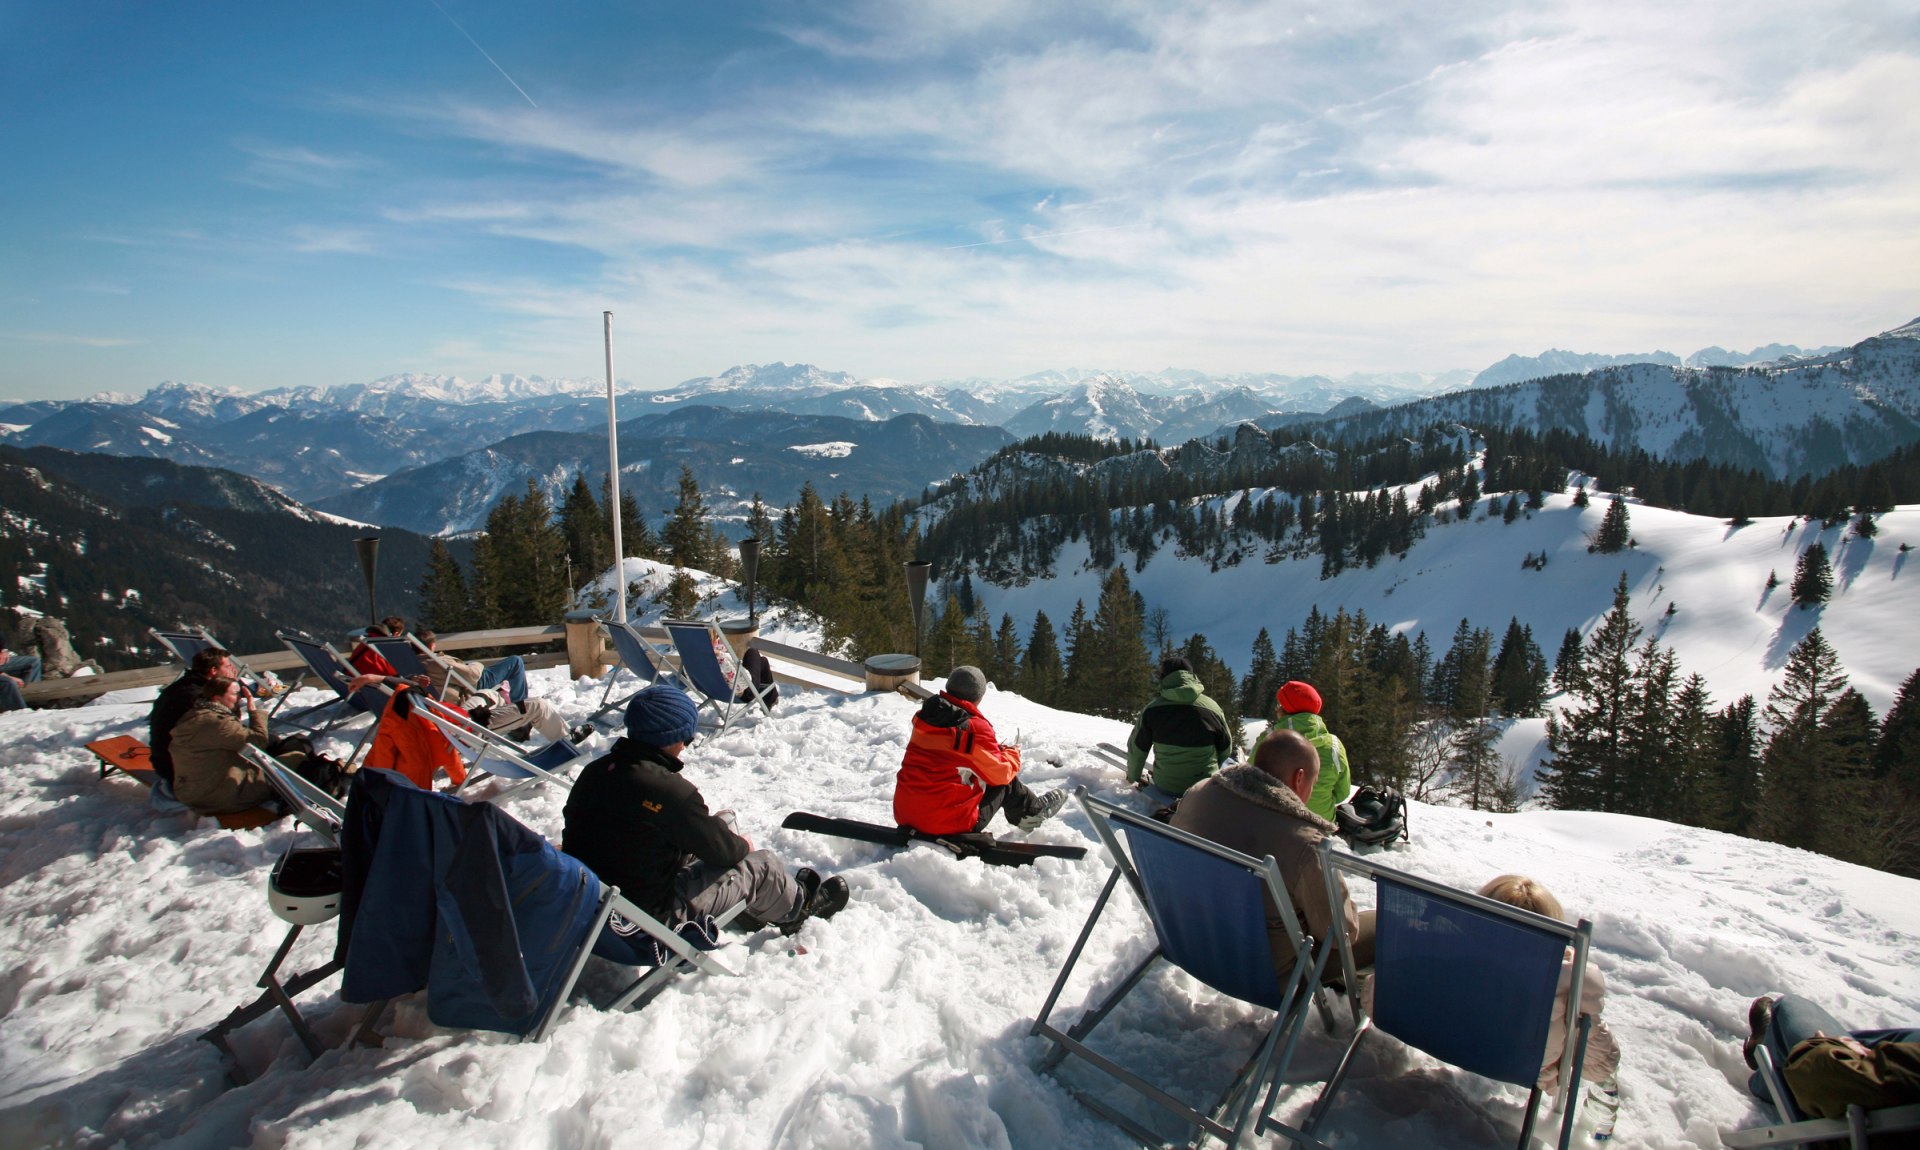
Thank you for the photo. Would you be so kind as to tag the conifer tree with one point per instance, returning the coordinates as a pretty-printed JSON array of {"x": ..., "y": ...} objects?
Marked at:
[
  {"x": 1736, "y": 747},
  {"x": 1216, "y": 679},
  {"x": 1005, "y": 660},
  {"x": 1698, "y": 797},
  {"x": 1263, "y": 678},
  {"x": 585, "y": 532},
  {"x": 1812, "y": 576},
  {"x": 636, "y": 539},
  {"x": 1796, "y": 802},
  {"x": 1475, "y": 759},
  {"x": 949, "y": 644},
  {"x": 1898, "y": 755},
  {"x": 685, "y": 534},
  {"x": 681, "y": 597},
  {"x": 443, "y": 591},
  {"x": 1580, "y": 498},
  {"x": 1519, "y": 672},
  {"x": 1614, "y": 529},
  {"x": 1041, "y": 671},
  {"x": 1118, "y": 678},
  {"x": 1586, "y": 743},
  {"x": 1076, "y": 687}
]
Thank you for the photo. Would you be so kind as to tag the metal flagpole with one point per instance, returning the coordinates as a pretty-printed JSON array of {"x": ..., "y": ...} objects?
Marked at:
[{"x": 613, "y": 480}]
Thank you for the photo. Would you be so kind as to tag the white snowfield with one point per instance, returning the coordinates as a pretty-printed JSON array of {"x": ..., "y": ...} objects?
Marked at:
[{"x": 903, "y": 1021}]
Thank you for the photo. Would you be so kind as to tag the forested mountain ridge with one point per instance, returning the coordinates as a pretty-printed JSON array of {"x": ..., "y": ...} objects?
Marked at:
[
  {"x": 1784, "y": 420},
  {"x": 113, "y": 546}
]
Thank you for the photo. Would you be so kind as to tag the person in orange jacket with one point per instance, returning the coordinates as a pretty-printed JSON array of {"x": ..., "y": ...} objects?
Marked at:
[{"x": 956, "y": 775}]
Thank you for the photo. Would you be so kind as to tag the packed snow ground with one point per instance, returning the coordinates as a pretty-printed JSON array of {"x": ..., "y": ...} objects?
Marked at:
[{"x": 901, "y": 1022}]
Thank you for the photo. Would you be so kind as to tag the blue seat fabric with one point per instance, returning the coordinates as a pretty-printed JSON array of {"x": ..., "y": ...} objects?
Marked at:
[
  {"x": 633, "y": 654},
  {"x": 699, "y": 663},
  {"x": 1469, "y": 987},
  {"x": 1210, "y": 914}
]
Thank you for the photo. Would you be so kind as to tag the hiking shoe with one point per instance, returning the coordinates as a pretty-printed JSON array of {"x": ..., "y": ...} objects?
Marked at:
[
  {"x": 580, "y": 734},
  {"x": 1759, "y": 1021},
  {"x": 825, "y": 898},
  {"x": 1048, "y": 806}
]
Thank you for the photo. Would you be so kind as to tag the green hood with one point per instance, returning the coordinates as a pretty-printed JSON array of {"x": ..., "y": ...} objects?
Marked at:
[{"x": 1181, "y": 687}]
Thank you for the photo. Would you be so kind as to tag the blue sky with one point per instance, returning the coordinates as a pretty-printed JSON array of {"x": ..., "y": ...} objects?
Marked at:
[{"x": 256, "y": 195}]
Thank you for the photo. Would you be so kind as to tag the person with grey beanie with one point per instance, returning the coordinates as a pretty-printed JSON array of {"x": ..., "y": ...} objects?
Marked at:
[
  {"x": 956, "y": 775},
  {"x": 636, "y": 822}
]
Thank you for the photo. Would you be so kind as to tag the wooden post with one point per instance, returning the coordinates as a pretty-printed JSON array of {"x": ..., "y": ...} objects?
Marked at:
[
  {"x": 740, "y": 633},
  {"x": 888, "y": 672},
  {"x": 586, "y": 645}
]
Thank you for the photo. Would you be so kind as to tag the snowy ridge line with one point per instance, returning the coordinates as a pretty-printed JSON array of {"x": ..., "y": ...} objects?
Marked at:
[{"x": 905, "y": 1020}]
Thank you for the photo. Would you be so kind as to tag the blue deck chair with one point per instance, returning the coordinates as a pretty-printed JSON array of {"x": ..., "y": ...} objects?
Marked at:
[
  {"x": 187, "y": 642},
  {"x": 411, "y": 657},
  {"x": 488, "y": 753},
  {"x": 649, "y": 663},
  {"x": 708, "y": 663},
  {"x": 1466, "y": 979},
  {"x": 511, "y": 891},
  {"x": 1208, "y": 906},
  {"x": 1796, "y": 1129}
]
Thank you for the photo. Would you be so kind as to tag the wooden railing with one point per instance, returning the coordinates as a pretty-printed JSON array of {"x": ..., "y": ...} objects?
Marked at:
[{"x": 825, "y": 671}]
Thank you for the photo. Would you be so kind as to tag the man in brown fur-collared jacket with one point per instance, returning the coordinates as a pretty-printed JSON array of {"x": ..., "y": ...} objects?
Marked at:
[{"x": 1260, "y": 808}]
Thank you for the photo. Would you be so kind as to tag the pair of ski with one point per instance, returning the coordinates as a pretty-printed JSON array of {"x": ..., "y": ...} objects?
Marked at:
[{"x": 986, "y": 848}]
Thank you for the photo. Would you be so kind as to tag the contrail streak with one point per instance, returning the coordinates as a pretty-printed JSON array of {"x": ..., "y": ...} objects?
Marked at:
[
  {"x": 1038, "y": 236},
  {"x": 483, "y": 52}
]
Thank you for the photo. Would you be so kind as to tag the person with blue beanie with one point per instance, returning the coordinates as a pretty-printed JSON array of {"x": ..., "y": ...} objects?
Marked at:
[{"x": 638, "y": 824}]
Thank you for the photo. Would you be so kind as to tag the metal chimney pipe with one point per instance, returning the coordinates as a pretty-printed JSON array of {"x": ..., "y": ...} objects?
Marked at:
[
  {"x": 369, "y": 548},
  {"x": 750, "y": 569},
  {"x": 918, "y": 572}
]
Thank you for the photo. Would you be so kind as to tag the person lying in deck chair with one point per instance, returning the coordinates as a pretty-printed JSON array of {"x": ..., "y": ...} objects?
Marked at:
[
  {"x": 955, "y": 775},
  {"x": 510, "y": 672},
  {"x": 1828, "y": 1067},
  {"x": 635, "y": 821},
  {"x": 1260, "y": 808},
  {"x": 209, "y": 775}
]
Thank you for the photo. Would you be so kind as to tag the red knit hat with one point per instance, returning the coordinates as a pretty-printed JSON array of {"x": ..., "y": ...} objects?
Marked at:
[{"x": 1295, "y": 697}]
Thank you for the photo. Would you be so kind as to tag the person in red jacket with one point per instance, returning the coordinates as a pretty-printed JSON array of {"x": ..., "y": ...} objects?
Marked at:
[{"x": 956, "y": 774}]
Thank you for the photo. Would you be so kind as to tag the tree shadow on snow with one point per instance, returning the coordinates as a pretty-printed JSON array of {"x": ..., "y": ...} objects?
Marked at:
[
  {"x": 1853, "y": 560},
  {"x": 1794, "y": 626}
]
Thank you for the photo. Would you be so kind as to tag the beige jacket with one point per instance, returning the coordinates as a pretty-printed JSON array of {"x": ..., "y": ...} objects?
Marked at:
[
  {"x": 437, "y": 676},
  {"x": 208, "y": 773},
  {"x": 1250, "y": 811}
]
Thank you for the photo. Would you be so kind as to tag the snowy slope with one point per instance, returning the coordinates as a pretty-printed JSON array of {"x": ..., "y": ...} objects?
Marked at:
[
  {"x": 902, "y": 1022},
  {"x": 1726, "y": 626}
]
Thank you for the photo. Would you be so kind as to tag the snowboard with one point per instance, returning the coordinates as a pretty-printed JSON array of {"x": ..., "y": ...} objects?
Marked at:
[{"x": 986, "y": 848}]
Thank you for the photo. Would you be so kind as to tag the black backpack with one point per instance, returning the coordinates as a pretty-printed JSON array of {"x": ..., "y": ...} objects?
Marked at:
[{"x": 1375, "y": 814}]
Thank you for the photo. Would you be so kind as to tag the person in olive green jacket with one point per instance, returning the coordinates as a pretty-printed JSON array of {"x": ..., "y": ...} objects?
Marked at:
[
  {"x": 1297, "y": 708},
  {"x": 1184, "y": 731},
  {"x": 208, "y": 773}
]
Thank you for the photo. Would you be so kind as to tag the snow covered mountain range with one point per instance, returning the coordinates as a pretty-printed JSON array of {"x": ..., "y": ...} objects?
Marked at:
[{"x": 1777, "y": 407}]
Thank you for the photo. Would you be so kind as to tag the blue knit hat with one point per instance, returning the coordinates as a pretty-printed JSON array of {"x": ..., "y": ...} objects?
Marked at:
[{"x": 661, "y": 716}]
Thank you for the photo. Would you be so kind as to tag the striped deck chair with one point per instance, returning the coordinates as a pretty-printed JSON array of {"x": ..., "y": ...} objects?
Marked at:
[
  {"x": 488, "y": 753},
  {"x": 1208, "y": 908},
  {"x": 707, "y": 661},
  {"x": 1466, "y": 979},
  {"x": 647, "y": 661},
  {"x": 410, "y": 657}
]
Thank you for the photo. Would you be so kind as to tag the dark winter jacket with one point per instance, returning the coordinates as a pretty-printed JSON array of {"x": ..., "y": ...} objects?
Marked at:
[
  {"x": 1250, "y": 811},
  {"x": 634, "y": 820},
  {"x": 1186, "y": 733},
  {"x": 949, "y": 736},
  {"x": 1336, "y": 781},
  {"x": 176, "y": 699},
  {"x": 459, "y": 898}
]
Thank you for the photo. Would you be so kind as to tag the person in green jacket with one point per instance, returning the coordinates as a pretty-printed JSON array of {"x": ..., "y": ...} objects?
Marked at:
[
  {"x": 1297, "y": 708},
  {"x": 1184, "y": 731}
]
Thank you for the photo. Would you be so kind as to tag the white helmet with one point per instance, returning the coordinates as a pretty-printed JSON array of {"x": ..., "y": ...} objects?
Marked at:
[{"x": 304, "y": 888}]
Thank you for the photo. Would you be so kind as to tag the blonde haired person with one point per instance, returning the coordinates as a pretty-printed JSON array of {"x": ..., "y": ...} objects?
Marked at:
[{"x": 1603, "y": 1053}]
